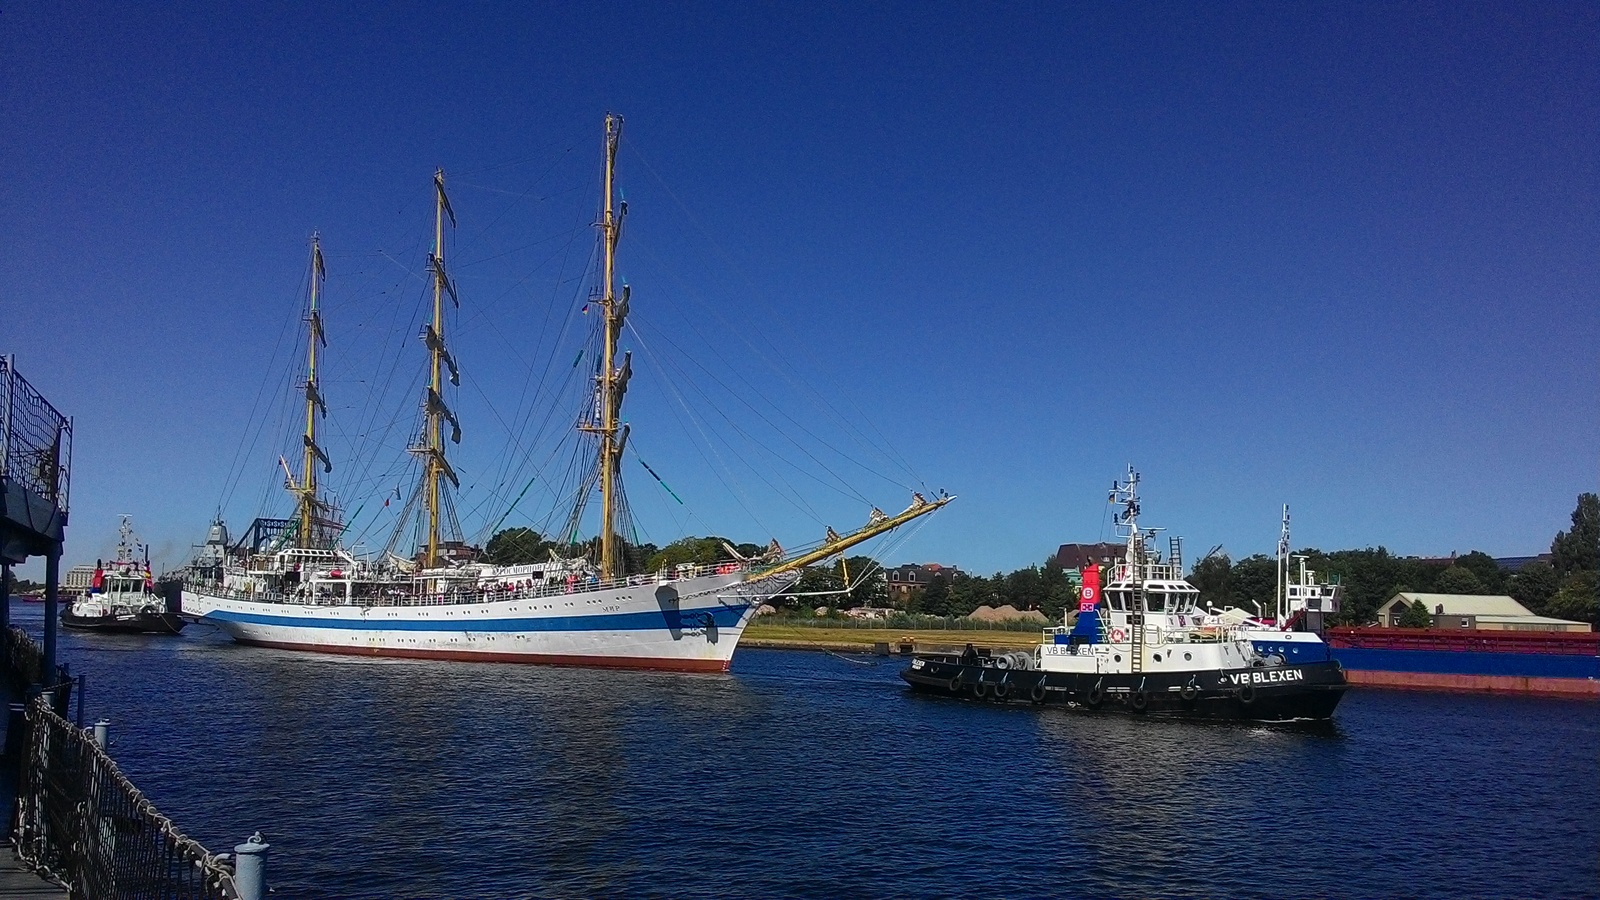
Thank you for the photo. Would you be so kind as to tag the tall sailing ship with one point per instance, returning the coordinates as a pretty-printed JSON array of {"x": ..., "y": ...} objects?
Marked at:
[{"x": 291, "y": 583}]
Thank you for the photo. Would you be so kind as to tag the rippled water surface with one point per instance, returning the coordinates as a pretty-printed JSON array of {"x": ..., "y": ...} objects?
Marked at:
[{"x": 810, "y": 774}]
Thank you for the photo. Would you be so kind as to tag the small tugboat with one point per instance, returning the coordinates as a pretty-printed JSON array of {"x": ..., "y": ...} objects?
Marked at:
[
  {"x": 121, "y": 597},
  {"x": 1300, "y": 617},
  {"x": 1147, "y": 647}
]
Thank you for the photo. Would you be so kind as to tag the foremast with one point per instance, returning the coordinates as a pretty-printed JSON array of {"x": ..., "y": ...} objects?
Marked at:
[
  {"x": 612, "y": 379},
  {"x": 308, "y": 506},
  {"x": 436, "y": 468}
]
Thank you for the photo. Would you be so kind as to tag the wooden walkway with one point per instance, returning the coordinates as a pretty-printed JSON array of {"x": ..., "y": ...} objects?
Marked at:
[{"x": 17, "y": 883}]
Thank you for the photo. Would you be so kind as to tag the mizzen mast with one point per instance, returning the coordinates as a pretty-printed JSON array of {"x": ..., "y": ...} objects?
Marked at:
[
  {"x": 435, "y": 467},
  {"x": 307, "y": 488},
  {"x": 612, "y": 380}
]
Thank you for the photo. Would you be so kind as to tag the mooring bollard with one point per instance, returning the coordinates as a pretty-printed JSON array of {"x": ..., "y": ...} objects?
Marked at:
[
  {"x": 250, "y": 868},
  {"x": 102, "y": 733}
]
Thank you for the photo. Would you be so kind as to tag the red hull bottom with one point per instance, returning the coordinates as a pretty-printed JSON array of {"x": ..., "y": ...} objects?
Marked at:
[
  {"x": 586, "y": 662},
  {"x": 1493, "y": 684}
]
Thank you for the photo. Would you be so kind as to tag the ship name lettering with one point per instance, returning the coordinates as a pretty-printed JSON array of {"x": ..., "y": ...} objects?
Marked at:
[{"x": 1274, "y": 676}]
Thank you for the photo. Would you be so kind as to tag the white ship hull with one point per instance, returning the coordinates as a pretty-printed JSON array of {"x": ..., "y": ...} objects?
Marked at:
[{"x": 692, "y": 624}]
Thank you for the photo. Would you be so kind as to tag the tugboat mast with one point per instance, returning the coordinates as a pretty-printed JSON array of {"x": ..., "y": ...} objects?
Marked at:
[
  {"x": 436, "y": 413},
  {"x": 1283, "y": 568}
]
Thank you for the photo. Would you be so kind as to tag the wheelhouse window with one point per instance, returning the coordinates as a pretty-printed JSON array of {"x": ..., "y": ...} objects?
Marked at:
[{"x": 1156, "y": 601}]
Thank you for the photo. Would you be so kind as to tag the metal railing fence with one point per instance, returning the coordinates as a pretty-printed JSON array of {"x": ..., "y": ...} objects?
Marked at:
[
  {"x": 35, "y": 439},
  {"x": 81, "y": 822}
]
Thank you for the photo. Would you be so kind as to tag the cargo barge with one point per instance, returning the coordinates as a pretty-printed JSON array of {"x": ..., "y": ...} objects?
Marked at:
[{"x": 1515, "y": 662}]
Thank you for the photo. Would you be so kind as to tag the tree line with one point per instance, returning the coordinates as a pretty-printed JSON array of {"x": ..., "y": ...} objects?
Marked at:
[{"x": 1566, "y": 587}]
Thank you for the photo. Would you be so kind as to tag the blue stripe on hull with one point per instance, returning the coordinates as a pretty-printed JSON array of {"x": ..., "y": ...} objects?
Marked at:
[
  {"x": 669, "y": 620},
  {"x": 1451, "y": 662}
]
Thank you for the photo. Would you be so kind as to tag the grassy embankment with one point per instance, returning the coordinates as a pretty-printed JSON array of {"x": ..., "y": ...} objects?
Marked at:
[{"x": 781, "y": 636}]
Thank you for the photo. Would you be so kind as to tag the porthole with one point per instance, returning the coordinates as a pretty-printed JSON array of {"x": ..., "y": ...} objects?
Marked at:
[
  {"x": 1117, "y": 658},
  {"x": 1156, "y": 657},
  {"x": 1188, "y": 656}
]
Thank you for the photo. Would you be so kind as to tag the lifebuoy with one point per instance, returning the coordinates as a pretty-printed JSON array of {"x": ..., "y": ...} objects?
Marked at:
[
  {"x": 1118, "y": 635},
  {"x": 1247, "y": 694},
  {"x": 1037, "y": 694},
  {"x": 1139, "y": 701},
  {"x": 1095, "y": 696}
]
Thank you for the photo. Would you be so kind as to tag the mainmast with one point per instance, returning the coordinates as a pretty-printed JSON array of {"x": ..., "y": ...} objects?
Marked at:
[
  {"x": 612, "y": 380},
  {"x": 436, "y": 413},
  {"x": 307, "y": 489}
]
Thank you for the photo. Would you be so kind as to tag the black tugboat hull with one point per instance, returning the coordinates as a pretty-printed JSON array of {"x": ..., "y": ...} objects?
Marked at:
[
  {"x": 1262, "y": 694},
  {"x": 131, "y": 623}
]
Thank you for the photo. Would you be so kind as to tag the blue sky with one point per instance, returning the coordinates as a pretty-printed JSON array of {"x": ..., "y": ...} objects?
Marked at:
[{"x": 1337, "y": 256}]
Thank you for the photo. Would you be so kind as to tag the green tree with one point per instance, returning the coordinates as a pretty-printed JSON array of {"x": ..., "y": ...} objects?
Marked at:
[
  {"x": 934, "y": 599},
  {"x": 701, "y": 551},
  {"x": 968, "y": 592},
  {"x": 868, "y": 588},
  {"x": 1369, "y": 577},
  {"x": 1578, "y": 598},
  {"x": 1025, "y": 588},
  {"x": 814, "y": 588},
  {"x": 1213, "y": 577},
  {"x": 1458, "y": 580},
  {"x": 1416, "y": 616},
  {"x": 1578, "y": 550},
  {"x": 1253, "y": 580},
  {"x": 517, "y": 546},
  {"x": 1059, "y": 593},
  {"x": 1491, "y": 577},
  {"x": 1533, "y": 585}
]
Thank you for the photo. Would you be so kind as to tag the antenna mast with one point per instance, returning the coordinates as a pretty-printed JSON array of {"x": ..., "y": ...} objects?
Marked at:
[{"x": 1283, "y": 567}]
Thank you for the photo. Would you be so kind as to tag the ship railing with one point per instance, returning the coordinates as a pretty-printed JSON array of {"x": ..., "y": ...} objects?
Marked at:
[
  {"x": 81, "y": 822},
  {"x": 1152, "y": 572},
  {"x": 394, "y": 594}
]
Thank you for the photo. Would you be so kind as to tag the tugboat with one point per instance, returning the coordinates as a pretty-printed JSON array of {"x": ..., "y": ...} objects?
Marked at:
[
  {"x": 1302, "y": 609},
  {"x": 1146, "y": 648},
  {"x": 121, "y": 597}
]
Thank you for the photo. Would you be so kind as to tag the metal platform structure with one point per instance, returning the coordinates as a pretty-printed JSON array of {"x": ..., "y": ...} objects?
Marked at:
[{"x": 35, "y": 475}]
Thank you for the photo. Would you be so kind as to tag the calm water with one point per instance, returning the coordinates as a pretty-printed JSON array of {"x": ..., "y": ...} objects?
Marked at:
[{"x": 806, "y": 774}]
